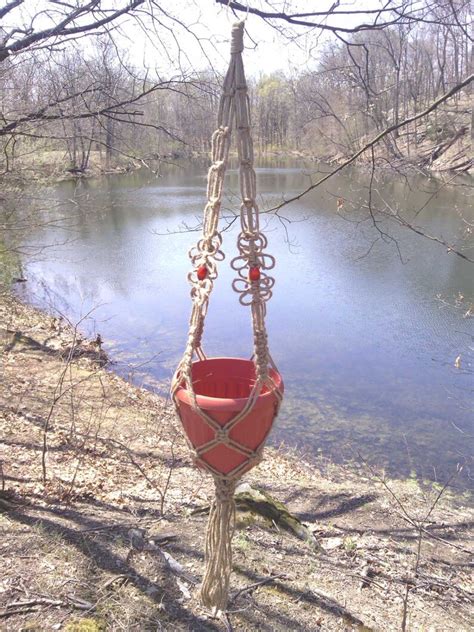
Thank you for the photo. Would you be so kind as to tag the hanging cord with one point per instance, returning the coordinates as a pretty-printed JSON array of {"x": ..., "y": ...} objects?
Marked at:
[
  {"x": 253, "y": 284},
  {"x": 252, "y": 264},
  {"x": 207, "y": 252},
  {"x": 255, "y": 288}
]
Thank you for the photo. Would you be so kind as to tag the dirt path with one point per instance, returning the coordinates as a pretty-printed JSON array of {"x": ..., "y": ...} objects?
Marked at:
[{"x": 110, "y": 540}]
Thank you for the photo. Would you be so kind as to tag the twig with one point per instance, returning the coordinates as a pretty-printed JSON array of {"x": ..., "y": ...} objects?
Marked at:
[
  {"x": 135, "y": 463},
  {"x": 252, "y": 587},
  {"x": 418, "y": 524},
  {"x": 121, "y": 525},
  {"x": 59, "y": 392},
  {"x": 21, "y": 607}
]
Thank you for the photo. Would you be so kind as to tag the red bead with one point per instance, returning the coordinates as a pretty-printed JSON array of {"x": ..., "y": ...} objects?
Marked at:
[
  {"x": 254, "y": 273},
  {"x": 202, "y": 272}
]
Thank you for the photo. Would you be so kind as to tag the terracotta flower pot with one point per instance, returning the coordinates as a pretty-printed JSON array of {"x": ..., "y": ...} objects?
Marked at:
[{"x": 222, "y": 387}]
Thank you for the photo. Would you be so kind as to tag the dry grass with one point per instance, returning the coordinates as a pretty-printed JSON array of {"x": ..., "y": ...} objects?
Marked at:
[
  {"x": 109, "y": 542},
  {"x": 43, "y": 164}
]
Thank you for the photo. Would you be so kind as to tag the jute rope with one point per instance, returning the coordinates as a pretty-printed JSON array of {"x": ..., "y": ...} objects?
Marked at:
[
  {"x": 254, "y": 286},
  {"x": 220, "y": 529}
]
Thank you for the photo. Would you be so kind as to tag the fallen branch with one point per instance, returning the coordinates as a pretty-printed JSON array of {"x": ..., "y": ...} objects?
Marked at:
[
  {"x": 256, "y": 501},
  {"x": 252, "y": 587},
  {"x": 22, "y": 607}
]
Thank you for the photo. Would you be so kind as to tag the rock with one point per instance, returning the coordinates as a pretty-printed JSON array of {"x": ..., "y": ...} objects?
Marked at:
[
  {"x": 257, "y": 501},
  {"x": 333, "y": 543}
]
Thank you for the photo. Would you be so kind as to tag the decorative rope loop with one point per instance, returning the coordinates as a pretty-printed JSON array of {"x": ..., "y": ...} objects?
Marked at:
[{"x": 222, "y": 435}]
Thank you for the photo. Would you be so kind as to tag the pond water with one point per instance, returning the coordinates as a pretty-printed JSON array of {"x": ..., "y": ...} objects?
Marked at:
[{"x": 365, "y": 336}]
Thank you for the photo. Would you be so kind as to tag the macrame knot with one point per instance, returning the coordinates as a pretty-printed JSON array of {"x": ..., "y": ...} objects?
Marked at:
[
  {"x": 237, "y": 42},
  {"x": 198, "y": 333},
  {"x": 222, "y": 436},
  {"x": 224, "y": 489},
  {"x": 261, "y": 339},
  {"x": 261, "y": 354},
  {"x": 217, "y": 167}
]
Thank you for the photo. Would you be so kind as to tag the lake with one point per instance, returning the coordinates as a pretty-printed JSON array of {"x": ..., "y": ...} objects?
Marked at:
[{"x": 365, "y": 336}]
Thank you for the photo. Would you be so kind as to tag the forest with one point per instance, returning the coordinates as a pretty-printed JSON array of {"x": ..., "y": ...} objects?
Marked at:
[{"x": 92, "y": 104}]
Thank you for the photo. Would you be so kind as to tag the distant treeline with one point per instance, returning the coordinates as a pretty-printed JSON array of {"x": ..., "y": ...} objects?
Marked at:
[{"x": 94, "y": 103}]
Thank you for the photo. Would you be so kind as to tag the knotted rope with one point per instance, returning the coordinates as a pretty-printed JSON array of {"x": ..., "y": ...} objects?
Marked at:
[{"x": 254, "y": 286}]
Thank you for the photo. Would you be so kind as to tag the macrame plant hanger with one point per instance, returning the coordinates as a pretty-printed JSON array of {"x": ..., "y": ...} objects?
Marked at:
[{"x": 227, "y": 405}]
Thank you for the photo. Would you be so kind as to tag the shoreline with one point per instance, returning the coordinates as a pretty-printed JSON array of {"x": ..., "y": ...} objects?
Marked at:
[
  {"x": 116, "y": 464},
  {"x": 458, "y": 490},
  {"x": 402, "y": 165}
]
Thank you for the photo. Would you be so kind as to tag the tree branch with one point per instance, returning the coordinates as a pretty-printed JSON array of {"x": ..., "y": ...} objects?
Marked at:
[
  {"x": 9, "y": 7},
  {"x": 62, "y": 30}
]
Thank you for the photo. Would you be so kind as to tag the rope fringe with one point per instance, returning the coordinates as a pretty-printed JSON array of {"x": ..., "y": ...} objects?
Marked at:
[{"x": 220, "y": 530}]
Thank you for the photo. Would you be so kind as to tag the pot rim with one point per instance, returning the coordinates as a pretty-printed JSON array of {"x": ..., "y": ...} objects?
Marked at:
[{"x": 227, "y": 403}]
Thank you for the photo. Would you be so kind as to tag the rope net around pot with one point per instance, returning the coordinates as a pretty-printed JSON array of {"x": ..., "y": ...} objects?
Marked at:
[{"x": 227, "y": 405}]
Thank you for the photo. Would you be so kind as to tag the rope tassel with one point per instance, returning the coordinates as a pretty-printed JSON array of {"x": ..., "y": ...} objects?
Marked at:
[{"x": 220, "y": 529}]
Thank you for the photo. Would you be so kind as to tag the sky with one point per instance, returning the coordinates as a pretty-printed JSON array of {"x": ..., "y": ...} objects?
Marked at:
[
  {"x": 207, "y": 42},
  {"x": 198, "y": 36},
  {"x": 266, "y": 50}
]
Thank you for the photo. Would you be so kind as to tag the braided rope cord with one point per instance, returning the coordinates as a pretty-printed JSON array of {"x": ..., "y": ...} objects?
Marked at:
[{"x": 234, "y": 110}]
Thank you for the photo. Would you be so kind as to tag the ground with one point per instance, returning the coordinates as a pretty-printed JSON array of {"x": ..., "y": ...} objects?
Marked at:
[
  {"x": 443, "y": 145},
  {"x": 104, "y": 535}
]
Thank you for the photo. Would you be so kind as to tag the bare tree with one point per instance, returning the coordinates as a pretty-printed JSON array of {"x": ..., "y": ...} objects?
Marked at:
[
  {"x": 391, "y": 87},
  {"x": 389, "y": 84}
]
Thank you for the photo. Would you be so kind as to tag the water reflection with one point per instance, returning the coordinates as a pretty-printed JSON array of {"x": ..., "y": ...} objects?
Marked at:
[{"x": 365, "y": 347}]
